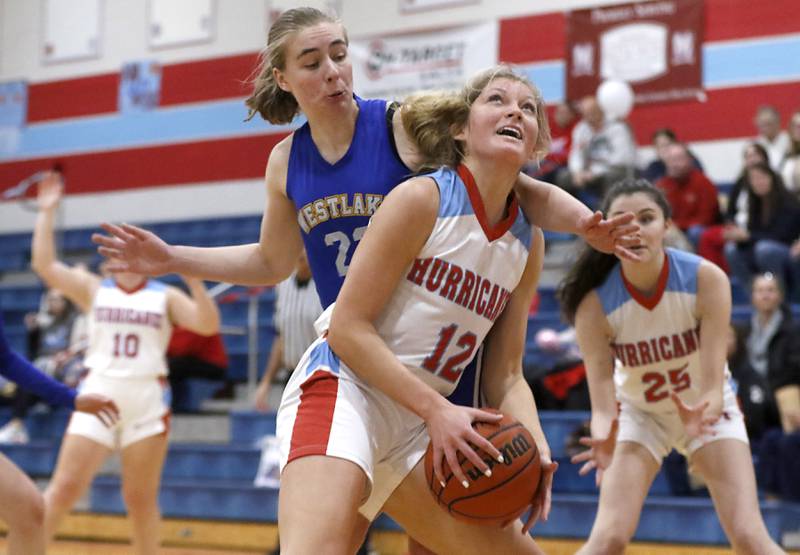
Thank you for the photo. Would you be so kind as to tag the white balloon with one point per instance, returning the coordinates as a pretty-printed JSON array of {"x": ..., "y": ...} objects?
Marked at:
[{"x": 615, "y": 98}]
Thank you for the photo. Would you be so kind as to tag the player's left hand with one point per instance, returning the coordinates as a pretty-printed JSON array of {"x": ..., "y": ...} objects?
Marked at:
[
  {"x": 50, "y": 191},
  {"x": 543, "y": 498},
  {"x": 694, "y": 418},
  {"x": 99, "y": 405},
  {"x": 611, "y": 236}
]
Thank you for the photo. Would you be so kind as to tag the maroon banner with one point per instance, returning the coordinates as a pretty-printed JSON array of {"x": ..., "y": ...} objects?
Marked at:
[{"x": 655, "y": 46}]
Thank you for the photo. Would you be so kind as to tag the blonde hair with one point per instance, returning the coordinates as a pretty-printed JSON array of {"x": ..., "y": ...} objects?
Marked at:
[
  {"x": 273, "y": 103},
  {"x": 431, "y": 119}
]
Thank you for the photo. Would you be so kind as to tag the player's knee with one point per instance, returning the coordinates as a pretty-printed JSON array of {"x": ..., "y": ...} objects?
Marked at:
[
  {"x": 63, "y": 492},
  {"x": 139, "y": 498},
  {"x": 28, "y": 515}
]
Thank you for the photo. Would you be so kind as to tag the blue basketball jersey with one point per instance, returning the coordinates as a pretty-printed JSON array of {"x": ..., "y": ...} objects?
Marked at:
[{"x": 335, "y": 201}]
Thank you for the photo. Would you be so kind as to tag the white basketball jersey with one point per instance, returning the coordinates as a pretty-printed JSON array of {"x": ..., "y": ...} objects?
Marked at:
[
  {"x": 128, "y": 331},
  {"x": 656, "y": 339},
  {"x": 453, "y": 292}
]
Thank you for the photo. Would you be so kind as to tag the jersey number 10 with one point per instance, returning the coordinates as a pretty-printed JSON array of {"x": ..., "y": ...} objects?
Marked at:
[{"x": 126, "y": 346}]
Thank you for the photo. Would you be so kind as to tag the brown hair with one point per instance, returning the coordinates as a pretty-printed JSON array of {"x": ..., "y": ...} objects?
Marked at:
[
  {"x": 432, "y": 118},
  {"x": 273, "y": 103}
]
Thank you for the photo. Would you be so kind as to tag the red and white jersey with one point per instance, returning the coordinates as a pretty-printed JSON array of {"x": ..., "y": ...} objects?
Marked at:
[
  {"x": 128, "y": 331},
  {"x": 656, "y": 339},
  {"x": 459, "y": 284}
]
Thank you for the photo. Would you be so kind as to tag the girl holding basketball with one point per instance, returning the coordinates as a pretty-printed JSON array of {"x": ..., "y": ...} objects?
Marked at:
[
  {"x": 365, "y": 401},
  {"x": 21, "y": 505},
  {"x": 130, "y": 320},
  {"x": 653, "y": 337}
]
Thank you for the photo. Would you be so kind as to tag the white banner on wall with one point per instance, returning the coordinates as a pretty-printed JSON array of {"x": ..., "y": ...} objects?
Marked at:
[{"x": 397, "y": 65}]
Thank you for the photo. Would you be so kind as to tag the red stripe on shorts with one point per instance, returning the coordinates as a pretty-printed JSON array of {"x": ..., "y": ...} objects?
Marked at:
[{"x": 312, "y": 425}]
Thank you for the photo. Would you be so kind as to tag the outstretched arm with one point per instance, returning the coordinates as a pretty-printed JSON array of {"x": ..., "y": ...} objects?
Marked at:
[
  {"x": 78, "y": 285},
  {"x": 594, "y": 338},
  {"x": 267, "y": 262},
  {"x": 29, "y": 378},
  {"x": 198, "y": 312},
  {"x": 505, "y": 386},
  {"x": 553, "y": 209}
]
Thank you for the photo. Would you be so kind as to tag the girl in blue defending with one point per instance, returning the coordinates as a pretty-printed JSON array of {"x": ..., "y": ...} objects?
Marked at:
[{"x": 21, "y": 504}]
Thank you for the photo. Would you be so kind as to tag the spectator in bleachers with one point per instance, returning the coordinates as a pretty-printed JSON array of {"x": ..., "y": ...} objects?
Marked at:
[
  {"x": 561, "y": 125},
  {"x": 52, "y": 350},
  {"x": 735, "y": 215},
  {"x": 770, "y": 135},
  {"x": 773, "y": 224},
  {"x": 762, "y": 352},
  {"x": 297, "y": 306},
  {"x": 656, "y": 169},
  {"x": 563, "y": 386},
  {"x": 192, "y": 355},
  {"x": 790, "y": 169},
  {"x": 603, "y": 151},
  {"x": 690, "y": 193}
]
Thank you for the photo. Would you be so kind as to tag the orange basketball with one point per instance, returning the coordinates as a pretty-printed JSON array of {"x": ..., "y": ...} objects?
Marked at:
[{"x": 507, "y": 493}]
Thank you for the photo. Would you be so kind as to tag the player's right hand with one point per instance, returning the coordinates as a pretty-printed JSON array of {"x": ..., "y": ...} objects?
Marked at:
[
  {"x": 599, "y": 453},
  {"x": 450, "y": 429},
  {"x": 49, "y": 191},
  {"x": 99, "y": 405},
  {"x": 133, "y": 249}
]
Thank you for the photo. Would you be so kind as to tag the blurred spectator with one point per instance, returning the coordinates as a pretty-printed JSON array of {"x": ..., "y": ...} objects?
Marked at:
[
  {"x": 563, "y": 122},
  {"x": 790, "y": 170},
  {"x": 49, "y": 344},
  {"x": 773, "y": 223},
  {"x": 770, "y": 135},
  {"x": 767, "y": 369},
  {"x": 662, "y": 138},
  {"x": 602, "y": 153},
  {"x": 191, "y": 355},
  {"x": 563, "y": 386},
  {"x": 690, "y": 193},
  {"x": 712, "y": 241},
  {"x": 296, "y": 308}
]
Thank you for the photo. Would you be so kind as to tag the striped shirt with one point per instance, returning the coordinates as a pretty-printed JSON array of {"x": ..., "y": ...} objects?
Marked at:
[{"x": 296, "y": 308}]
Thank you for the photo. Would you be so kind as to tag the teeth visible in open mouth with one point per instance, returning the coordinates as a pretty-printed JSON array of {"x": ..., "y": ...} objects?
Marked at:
[{"x": 510, "y": 132}]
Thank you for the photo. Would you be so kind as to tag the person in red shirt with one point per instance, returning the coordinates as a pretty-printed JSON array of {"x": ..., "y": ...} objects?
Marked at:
[
  {"x": 690, "y": 193},
  {"x": 561, "y": 125},
  {"x": 191, "y": 355}
]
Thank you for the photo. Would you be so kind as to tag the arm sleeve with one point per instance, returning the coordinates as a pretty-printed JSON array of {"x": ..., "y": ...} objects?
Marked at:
[{"x": 28, "y": 377}]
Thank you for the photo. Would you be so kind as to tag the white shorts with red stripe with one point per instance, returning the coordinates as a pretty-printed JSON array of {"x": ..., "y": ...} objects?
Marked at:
[
  {"x": 144, "y": 410},
  {"x": 661, "y": 432},
  {"x": 327, "y": 409}
]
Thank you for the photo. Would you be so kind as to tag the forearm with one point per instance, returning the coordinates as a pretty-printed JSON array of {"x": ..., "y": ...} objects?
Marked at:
[
  {"x": 604, "y": 406},
  {"x": 240, "y": 264},
  {"x": 207, "y": 310},
  {"x": 363, "y": 350},
  {"x": 550, "y": 207},
  {"x": 514, "y": 397},
  {"x": 29, "y": 378},
  {"x": 43, "y": 249}
]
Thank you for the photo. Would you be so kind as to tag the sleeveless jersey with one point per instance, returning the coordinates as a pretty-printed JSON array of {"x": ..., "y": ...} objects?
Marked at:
[
  {"x": 335, "y": 201},
  {"x": 459, "y": 284},
  {"x": 657, "y": 338},
  {"x": 128, "y": 331}
]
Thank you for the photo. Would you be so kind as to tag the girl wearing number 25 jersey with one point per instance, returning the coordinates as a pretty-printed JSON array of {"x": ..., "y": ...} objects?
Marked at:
[
  {"x": 130, "y": 319},
  {"x": 652, "y": 334}
]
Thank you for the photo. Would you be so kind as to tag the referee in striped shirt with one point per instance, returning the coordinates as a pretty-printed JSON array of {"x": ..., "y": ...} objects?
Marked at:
[{"x": 296, "y": 309}]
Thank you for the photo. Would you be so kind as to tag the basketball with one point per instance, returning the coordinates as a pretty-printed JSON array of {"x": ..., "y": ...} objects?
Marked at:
[{"x": 504, "y": 496}]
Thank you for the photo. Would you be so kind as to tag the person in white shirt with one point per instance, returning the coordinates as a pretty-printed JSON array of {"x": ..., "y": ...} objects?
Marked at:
[{"x": 770, "y": 136}]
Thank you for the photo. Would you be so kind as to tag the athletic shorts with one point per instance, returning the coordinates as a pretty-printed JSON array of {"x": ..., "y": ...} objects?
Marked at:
[
  {"x": 661, "y": 432},
  {"x": 327, "y": 409},
  {"x": 144, "y": 406}
]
